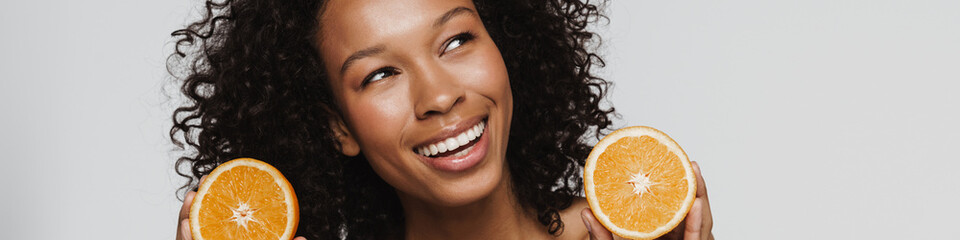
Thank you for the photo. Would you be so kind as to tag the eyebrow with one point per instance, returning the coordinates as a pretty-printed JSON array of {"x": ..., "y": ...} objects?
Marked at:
[
  {"x": 361, "y": 54},
  {"x": 380, "y": 48},
  {"x": 450, "y": 14}
]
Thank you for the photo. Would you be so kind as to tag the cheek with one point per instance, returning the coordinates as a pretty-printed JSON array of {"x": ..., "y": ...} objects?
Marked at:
[
  {"x": 377, "y": 122},
  {"x": 488, "y": 75},
  {"x": 378, "y": 126}
]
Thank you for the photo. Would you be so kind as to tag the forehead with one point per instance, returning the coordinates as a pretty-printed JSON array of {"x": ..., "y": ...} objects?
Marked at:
[{"x": 350, "y": 25}]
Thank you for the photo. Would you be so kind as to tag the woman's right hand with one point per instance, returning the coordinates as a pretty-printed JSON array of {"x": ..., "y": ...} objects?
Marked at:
[{"x": 183, "y": 223}]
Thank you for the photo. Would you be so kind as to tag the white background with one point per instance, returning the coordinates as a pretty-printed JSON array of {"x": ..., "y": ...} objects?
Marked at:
[{"x": 818, "y": 118}]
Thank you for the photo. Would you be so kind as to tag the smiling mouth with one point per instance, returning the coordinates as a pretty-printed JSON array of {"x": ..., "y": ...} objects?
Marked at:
[{"x": 457, "y": 146}]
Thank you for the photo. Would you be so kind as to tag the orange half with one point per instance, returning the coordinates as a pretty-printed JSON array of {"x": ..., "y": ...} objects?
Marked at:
[
  {"x": 244, "y": 198},
  {"x": 639, "y": 183}
]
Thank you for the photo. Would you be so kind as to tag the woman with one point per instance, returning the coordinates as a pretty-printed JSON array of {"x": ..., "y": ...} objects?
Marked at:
[{"x": 392, "y": 118}]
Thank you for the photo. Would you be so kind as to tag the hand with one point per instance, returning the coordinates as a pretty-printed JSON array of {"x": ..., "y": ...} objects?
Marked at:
[
  {"x": 698, "y": 223},
  {"x": 183, "y": 225},
  {"x": 183, "y": 222}
]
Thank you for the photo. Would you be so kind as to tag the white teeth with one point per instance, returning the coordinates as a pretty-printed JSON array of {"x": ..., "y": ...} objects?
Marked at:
[
  {"x": 472, "y": 133},
  {"x": 453, "y": 143},
  {"x": 442, "y": 146},
  {"x": 462, "y": 139},
  {"x": 463, "y": 152}
]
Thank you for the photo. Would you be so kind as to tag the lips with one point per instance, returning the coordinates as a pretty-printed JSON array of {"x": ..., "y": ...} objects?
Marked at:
[
  {"x": 453, "y": 143},
  {"x": 456, "y": 148}
]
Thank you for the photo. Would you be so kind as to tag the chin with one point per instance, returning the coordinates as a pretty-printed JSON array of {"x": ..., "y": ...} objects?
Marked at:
[{"x": 465, "y": 191}]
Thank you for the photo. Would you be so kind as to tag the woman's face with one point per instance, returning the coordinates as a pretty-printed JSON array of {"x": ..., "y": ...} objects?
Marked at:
[{"x": 424, "y": 94}]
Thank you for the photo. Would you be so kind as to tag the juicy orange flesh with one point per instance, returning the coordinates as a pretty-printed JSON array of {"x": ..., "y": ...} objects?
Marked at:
[
  {"x": 243, "y": 185},
  {"x": 646, "y": 211}
]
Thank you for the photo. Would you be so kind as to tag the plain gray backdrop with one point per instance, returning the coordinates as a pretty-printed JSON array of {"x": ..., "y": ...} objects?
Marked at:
[{"x": 828, "y": 119}]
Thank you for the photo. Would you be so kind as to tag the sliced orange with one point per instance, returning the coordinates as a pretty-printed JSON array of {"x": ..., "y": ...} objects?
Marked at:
[
  {"x": 639, "y": 183},
  {"x": 244, "y": 199}
]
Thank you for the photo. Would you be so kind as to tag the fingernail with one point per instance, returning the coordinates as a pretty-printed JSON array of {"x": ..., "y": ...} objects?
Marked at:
[{"x": 587, "y": 223}]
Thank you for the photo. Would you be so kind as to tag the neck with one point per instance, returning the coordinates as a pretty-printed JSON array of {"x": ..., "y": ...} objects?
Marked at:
[{"x": 497, "y": 216}]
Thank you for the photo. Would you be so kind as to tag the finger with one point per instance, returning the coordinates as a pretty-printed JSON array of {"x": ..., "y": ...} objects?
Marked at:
[
  {"x": 694, "y": 221},
  {"x": 595, "y": 229},
  {"x": 701, "y": 186},
  {"x": 204, "y": 177},
  {"x": 299, "y": 238},
  {"x": 706, "y": 228},
  {"x": 185, "y": 230},
  {"x": 187, "y": 201}
]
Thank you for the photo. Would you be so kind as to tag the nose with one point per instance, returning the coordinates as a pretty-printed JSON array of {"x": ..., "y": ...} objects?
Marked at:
[{"x": 436, "y": 91}]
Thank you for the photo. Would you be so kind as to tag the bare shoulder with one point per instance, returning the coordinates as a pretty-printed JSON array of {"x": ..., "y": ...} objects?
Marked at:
[{"x": 573, "y": 227}]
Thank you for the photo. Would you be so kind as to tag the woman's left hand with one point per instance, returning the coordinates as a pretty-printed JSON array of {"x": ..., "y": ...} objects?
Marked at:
[{"x": 698, "y": 223}]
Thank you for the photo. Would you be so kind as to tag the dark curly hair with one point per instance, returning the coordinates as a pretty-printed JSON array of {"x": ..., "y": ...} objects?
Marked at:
[{"x": 256, "y": 88}]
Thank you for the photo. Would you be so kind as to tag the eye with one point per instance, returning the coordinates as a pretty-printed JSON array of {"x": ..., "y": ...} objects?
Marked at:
[
  {"x": 457, "y": 41},
  {"x": 378, "y": 75}
]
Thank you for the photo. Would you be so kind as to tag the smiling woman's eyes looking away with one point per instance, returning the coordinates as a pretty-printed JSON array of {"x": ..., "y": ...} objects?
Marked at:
[
  {"x": 454, "y": 43},
  {"x": 378, "y": 75}
]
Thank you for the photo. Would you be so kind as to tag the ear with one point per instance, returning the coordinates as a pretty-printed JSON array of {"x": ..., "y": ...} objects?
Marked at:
[{"x": 348, "y": 144}]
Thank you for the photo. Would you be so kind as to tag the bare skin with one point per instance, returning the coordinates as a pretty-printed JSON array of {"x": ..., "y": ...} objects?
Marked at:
[
  {"x": 408, "y": 74},
  {"x": 429, "y": 79}
]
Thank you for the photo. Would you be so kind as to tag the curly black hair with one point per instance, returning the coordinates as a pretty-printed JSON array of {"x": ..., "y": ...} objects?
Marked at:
[{"x": 255, "y": 87}]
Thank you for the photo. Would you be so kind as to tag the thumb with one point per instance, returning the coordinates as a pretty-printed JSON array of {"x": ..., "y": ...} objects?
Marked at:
[
  {"x": 595, "y": 229},
  {"x": 299, "y": 238}
]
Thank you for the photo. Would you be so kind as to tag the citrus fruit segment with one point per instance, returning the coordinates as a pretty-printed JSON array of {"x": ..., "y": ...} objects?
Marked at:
[
  {"x": 244, "y": 199},
  {"x": 639, "y": 183}
]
